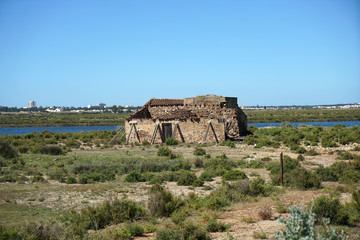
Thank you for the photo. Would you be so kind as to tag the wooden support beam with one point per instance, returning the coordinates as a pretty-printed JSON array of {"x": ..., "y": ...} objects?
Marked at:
[
  {"x": 181, "y": 135},
  {"x": 212, "y": 128},
  {"x": 154, "y": 134},
  {"x": 122, "y": 128},
  {"x": 128, "y": 136},
  {"x": 281, "y": 169},
  {"x": 207, "y": 131},
  {"x": 177, "y": 128},
  {"x": 137, "y": 134}
]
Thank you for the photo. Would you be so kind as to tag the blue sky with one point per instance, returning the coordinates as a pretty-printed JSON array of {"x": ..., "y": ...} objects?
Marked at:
[{"x": 265, "y": 52}]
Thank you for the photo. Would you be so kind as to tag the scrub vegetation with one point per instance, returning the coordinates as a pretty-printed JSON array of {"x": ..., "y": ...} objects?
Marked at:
[{"x": 78, "y": 186}]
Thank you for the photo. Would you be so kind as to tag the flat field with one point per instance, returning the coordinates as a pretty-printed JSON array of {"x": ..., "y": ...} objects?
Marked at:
[{"x": 230, "y": 191}]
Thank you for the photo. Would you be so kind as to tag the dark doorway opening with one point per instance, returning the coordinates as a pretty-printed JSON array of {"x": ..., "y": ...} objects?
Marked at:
[{"x": 167, "y": 130}]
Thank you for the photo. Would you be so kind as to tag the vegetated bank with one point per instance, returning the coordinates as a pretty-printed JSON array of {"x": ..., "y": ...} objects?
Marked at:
[
  {"x": 87, "y": 186},
  {"x": 114, "y": 119}
]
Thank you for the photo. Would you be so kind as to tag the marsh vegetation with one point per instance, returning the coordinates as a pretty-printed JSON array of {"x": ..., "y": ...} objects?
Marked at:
[{"x": 78, "y": 186}]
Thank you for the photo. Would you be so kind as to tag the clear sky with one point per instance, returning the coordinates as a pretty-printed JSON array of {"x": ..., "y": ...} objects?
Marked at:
[{"x": 265, "y": 52}]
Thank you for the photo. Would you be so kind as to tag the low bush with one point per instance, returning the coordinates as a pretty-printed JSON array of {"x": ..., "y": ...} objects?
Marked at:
[
  {"x": 164, "y": 151},
  {"x": 58, "y": 174},
  {"x": 331, "y": 208},
  {"x": 171, "y": 142},
  {"x": 198, "y": 162},
  {"x": 219, "y": 165},
  {"x": 199, "y": 151},
  {"x": 228, "y": 143},
  {"x": 327, "y": 174},
  {"x": 161, "y": 202},
  {"x": 198, "y": 182},
  {"x": 311, "y": 152},
  {"x": 214, "y": 225},
  {"x": 86, "y": 178},
  {"x": 185, "y": 178},
  {"x": 186, "y": 231},
  {"x": 109, "y": 212},
  {"x": 234, "y": 175},
  {"x": 206, "y": 176},
  {"x": 7, "y": 151},
  {"x": 255, "y": 164},
  {"x": 135, "y": 177},
  {"x": 71, "y": 180},
  {"x": 51, "y": 150}
]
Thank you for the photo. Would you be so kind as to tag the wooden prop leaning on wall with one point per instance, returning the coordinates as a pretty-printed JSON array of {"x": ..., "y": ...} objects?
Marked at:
[
  {"x": 177, "y": 127},
  {"x": 210, "y": 126},
  {"x": 133, "y": 126},
  {"x": 157, "y": 127}
]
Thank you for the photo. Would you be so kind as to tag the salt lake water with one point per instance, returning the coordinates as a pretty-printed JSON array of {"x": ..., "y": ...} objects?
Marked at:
[{"x": 26, "y": 130}]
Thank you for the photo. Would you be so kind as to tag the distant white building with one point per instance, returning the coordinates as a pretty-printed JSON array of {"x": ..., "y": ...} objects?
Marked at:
[
  {"x": 59, "y": 109},
  {"x": 31, "y": 104},
  {"x": 100, "y": 105}
]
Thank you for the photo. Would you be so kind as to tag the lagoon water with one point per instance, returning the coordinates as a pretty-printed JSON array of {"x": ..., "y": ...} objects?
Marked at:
[{"x": 26, "y": 130}]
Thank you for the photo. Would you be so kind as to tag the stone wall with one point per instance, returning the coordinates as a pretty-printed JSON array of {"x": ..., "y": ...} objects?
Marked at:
[{"x": 192, "y": 131}]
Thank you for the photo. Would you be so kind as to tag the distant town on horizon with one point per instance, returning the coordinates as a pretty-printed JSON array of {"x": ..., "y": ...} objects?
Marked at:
[{"x": 100, "y": 107}]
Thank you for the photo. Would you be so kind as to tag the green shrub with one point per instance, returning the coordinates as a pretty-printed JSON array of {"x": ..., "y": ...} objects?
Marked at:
[
  {"x": 258, "y": 187},
  {"x": 57, "y": 174},
  {"x": 327, "y": 174},
  {"x": 7, "y": 151},
  {"x": 72, "y": 143},
  {"x": 51, "y": 150},
  {"x": 199, "y": 151},
  {"x": 7, "y": 178},
  {"x": 228, "y": 143},
  {"x": 331, "y": 208},
  {"x": 168, "y": 234},
  {"x": 234, "y": 175},
  {"x": 185, "y": 178},
  {"x": 219, "y": 165},
  {"x": 311, "y": 152},
  {"x": 109, "y": 212},
  {"x": 71, "y": 180},
  {"x": 171, "y": 141},
  {"x": 186, "y": 231},
  {"x": 199, "y": 163},
  {"x": 164, "y": 152},
  {"x": 300, "y": 158},
  {"x": 215, "y": 226},
  {"x": 145, "y": 143},
  {"x": 216, "y": 202},
  {"x": 198, "y": 182},
  {"x": 161, "y": 202},
  {"x": 206, "y": 176},
  {"x": 135, "y": 177},
  {"x": 255, "y": 164}
]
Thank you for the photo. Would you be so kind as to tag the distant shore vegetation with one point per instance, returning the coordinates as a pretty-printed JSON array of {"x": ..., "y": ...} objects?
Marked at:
[{"x": 114, "y": 119}]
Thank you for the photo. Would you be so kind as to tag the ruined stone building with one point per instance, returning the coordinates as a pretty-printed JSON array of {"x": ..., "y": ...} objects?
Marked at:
[{"x": 207, "y": 118}]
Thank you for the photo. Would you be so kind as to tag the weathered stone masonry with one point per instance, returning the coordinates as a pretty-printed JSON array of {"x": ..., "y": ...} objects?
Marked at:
[{"x": 195, "y": 119}]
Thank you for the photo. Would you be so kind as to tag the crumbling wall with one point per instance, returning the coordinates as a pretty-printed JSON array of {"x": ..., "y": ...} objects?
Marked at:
[{"x": 192, "y": 131}]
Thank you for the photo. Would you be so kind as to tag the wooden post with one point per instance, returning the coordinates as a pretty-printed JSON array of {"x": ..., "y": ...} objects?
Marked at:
[
  {"x": 207, "y": 131},
  {"x": 281, "y": 169},
  {"x": 212, "y": 128},
  {"x": 128, "y": 137},
  {"x": 154, "y": 134}
]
